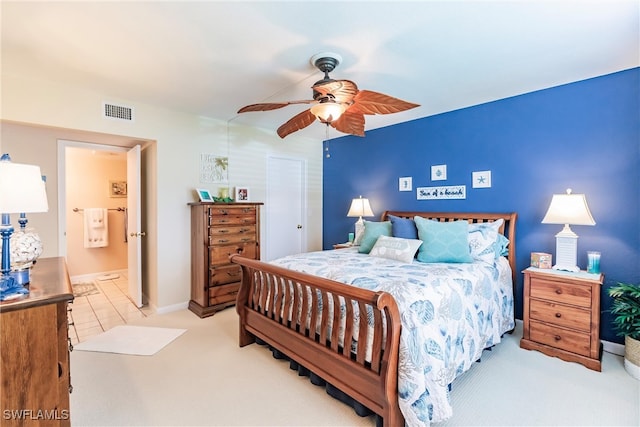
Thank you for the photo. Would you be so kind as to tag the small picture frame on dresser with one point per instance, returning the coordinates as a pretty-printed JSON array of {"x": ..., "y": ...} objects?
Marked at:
[
  {"x": 204, "y": 195},
  {"x": 242, "y": 194}
]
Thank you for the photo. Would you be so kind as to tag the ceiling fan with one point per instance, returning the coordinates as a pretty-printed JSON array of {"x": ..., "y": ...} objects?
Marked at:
[{"x": 336, "y": 103}]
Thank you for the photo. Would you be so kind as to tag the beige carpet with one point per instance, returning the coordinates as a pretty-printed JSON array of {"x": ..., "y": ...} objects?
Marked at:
[{"x": 205, "y": 379}]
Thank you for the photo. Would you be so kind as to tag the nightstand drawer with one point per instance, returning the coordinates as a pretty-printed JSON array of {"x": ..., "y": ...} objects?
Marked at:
[
  {"x": 555, "y": 291},
  {"x": 565, "y": 339},
  {"x": 559, "y": 314}
]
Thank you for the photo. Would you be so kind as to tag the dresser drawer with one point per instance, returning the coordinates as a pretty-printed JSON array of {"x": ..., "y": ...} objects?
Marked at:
[
  {"x": 232, "y": 216},
  {"x": 227, "y": 239},
  {"x": 223, "y": 294},
  {"x": 226, "y": 274},
  {"x": 223, "y": 230},
  {"x": 565, "y": 339},
  {"x": 560, "y": 314},
  {"x": 220, "y": 254},
  {"x": 551, "y": 290}
]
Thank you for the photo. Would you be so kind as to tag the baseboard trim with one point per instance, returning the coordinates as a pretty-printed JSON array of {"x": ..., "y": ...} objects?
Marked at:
[
  {"x": 613, "y": 347},
  {"x": 171, "y": 308}
]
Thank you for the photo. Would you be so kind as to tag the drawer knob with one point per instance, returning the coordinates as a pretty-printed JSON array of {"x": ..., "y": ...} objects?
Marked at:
[
  {"x": 557, "y": 337},
  {"x": 558, "y": 315},
  {"x": 559, "y": 291}
]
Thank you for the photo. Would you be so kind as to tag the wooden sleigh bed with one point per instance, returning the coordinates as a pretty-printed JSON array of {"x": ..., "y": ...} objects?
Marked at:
[{"x": 293, "y": 312}]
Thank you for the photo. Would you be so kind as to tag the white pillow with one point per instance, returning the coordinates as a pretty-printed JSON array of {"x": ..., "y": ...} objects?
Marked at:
[{"x": 395, "y": 248}]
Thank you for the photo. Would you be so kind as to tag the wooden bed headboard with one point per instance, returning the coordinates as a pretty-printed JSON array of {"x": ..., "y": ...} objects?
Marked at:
[{"x": 508, "y": 228}]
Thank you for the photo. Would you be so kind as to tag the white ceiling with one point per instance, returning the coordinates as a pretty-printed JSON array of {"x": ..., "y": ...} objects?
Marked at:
[{"x": 210, "y": 58}]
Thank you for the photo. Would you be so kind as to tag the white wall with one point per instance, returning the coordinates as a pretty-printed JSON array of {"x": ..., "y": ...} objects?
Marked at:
[{"x": 170, "y": 166}]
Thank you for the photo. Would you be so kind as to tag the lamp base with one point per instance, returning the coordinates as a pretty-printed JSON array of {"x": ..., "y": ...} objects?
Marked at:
[
  {"x": 566, "y": 251},
  {"x": 22, "y": 277},
  {"x": 574, "y": 268},
  {"x": 9, "y": 289}
]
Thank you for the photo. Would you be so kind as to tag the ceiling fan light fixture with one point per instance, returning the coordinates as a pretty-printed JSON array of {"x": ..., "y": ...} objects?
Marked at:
[{"x": 328, "y": 112}]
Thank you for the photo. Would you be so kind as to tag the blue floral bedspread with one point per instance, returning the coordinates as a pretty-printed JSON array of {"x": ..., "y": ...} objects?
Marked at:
[{"x": 450, "y": 313}]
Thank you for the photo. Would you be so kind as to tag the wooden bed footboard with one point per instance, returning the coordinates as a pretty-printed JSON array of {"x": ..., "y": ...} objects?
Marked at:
[{"x": 295, "y": 313}]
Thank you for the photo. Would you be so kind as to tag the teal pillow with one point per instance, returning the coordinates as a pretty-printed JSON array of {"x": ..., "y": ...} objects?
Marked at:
[
  {"x": 373, "y": 230},
  {"x": 443, "y": 241}
]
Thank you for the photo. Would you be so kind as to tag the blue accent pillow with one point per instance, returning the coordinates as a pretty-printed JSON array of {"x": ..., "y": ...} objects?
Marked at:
[
  {"x": 373, "y": 230},
  {"x": 404, "y": 228},
  {"x": 443, "y": 241},
  {"x": 501, "y": 246}
]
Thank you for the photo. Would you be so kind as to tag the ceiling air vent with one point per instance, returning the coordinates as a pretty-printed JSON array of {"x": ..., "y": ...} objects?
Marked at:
[{"x": 118, "y": 112}]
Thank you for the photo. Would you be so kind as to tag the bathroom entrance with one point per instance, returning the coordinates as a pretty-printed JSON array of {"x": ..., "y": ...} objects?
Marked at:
[{"x": 99, "y": 213}]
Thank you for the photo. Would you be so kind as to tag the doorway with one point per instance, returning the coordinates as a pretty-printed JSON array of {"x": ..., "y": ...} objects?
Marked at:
[{"x": 95, "y": 179}]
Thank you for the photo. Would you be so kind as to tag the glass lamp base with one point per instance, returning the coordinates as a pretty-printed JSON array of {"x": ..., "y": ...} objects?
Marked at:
[
  {"x": 21, "y": 277},
  {"x": 9, "y": 289}
]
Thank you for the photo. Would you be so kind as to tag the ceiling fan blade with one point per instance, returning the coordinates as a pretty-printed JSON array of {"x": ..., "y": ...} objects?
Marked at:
[
  {"x": 297, "y": 122},
  {"x": 370, "y": 102},
  {"x": 350, "y": 122},
  {"x": 271, "y": 106},
  {"x": 342, "y": 90}
]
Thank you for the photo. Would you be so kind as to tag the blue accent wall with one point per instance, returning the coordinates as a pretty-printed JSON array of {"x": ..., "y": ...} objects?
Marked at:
[{"x": 584, "y": 136}]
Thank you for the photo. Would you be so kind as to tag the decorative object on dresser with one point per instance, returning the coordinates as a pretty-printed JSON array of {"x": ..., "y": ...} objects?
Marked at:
[
  {"x": 204, "y": 195},
  {"x": 562, "y": 315},
  {"x": 568, "y": 209},
  {"x": 34, "y": 350},
  {"x": 626, "y": 320},
  {"x": 22, "y": 190},
  {"x": 219, "y": 230}
]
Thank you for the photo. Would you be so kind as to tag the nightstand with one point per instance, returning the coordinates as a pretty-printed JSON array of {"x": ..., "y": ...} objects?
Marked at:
[
  {"x": 562, "y": 315},
  {"x": 343, "y": 245}
]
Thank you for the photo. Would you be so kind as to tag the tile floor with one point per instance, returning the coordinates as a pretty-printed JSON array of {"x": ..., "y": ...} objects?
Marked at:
[{"x": 93, "y": 314}]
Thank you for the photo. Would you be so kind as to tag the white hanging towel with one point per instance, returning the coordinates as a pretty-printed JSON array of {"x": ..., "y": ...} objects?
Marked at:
[{"x": 96, "y": 228}]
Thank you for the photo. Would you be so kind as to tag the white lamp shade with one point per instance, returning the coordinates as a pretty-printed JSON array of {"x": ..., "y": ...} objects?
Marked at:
[
  {"x": 21, "y": 189},
  {"x": 568, "y": 209},
  {"x": 327, "y": 112},
  {"x": 360, "y": 207}
]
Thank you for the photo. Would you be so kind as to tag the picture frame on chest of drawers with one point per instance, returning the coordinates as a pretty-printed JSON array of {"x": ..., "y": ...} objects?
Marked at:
[{"x": 561, "y": 315}]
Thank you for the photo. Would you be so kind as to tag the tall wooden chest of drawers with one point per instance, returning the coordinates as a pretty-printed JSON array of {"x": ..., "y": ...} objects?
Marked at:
[
  {"x": 561, "y": 314},
  {"x": 219, "y": 230},
  {"x": 34, "y": 350}
]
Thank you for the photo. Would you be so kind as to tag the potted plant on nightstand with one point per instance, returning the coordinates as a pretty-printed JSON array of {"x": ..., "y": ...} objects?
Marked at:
[{"x": 626, "y": 320}]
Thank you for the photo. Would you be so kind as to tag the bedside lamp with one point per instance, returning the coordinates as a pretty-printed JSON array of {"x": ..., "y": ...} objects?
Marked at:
[
  {"x": 568, "y": 209},
  {"x": 22, "y": 190},
  {"x": 359, "y": 207}
]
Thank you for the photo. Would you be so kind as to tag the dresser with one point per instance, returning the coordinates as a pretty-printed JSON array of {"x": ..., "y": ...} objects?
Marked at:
[
  {"x": 34, "y": 348},
  {"x": 561, "y": 314},
  {"x": 219, "y": 230}
]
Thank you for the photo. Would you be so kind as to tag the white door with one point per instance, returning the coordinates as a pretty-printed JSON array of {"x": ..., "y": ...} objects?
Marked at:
[
  {"x": 285, "y": 208},
  {"x": 134, "y": 245}
]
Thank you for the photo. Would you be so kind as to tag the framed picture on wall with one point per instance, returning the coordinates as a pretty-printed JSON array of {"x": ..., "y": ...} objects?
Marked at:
[
  {"x": 242, "y": 194},
  {"x": 117, "y": 188},
  {"x": 204, "y": 195}
]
